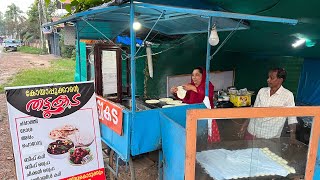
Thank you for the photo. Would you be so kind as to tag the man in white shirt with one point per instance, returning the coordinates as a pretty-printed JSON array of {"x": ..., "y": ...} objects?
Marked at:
[{"x": 273, "y": 96}]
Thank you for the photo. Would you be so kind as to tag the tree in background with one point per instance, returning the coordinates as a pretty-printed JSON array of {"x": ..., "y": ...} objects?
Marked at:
[
  {"x": 32, "y": 30},
  {"x": 13, "y": 21},
  {"x": 2, "y": 25},
  {"x": 82, "y": 5},
  {"x": 37, "y": 15}
]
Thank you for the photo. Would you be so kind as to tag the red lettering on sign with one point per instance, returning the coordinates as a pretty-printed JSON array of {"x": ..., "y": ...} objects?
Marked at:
[
  {"x": 57, "y": 106},
  {"x": 110, "y": 114}
]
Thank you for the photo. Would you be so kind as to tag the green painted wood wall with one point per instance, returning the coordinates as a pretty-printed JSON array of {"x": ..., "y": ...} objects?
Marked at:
[{"x": 250, "y": 70}]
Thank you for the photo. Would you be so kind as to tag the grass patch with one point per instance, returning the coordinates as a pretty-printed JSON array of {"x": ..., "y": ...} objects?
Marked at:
[
  {"x": 29, "y": 50},
  {"x": 60, "y": 71}
]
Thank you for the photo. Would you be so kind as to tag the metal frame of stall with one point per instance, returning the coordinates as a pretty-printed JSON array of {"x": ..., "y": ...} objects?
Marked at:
[{"x": 130, "y": 143}]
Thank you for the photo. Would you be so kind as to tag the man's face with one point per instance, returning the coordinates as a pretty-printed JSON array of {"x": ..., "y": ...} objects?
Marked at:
[{"x": 273, "y": 80}]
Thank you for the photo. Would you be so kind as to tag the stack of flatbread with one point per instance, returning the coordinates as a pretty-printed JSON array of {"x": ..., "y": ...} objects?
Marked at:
[
  {"x": 173, "y": 103},
  {"x": 165, "y": 99},
  {"x": 152, "y": 101}
]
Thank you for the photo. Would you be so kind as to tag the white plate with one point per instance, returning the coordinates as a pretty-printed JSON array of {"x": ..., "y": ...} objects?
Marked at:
[
  {"x": 165, "y": 99},
  {"x": 174, "y": 102},
  {"x": 181, "y": 93},
  {"x": 181, "y": 104},
  {"x": 152, "y": 101},
  {"x": 167, "y": 106}
]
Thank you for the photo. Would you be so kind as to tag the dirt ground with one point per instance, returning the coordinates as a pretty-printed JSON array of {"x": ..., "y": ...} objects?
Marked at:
[
  {"x": 10, "y": 64},
  {"x": 13, "y": 62}
]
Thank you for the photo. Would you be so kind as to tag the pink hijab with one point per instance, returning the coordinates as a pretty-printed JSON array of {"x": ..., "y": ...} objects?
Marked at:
[{"x": 197, "y": 97}]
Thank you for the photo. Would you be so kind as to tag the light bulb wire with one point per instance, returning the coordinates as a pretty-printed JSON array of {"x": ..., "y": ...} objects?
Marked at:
[
  {"x": 174, "y": 46},
  {"x": 125, "y": 53},
  {"x": 150, "y": 32},
  {"x": 226, "y": 39},
  {"x": 214, "y": 26}
]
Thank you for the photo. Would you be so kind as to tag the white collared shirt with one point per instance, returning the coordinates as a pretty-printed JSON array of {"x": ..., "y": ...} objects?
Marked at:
[{"x": 271, "y": 127}]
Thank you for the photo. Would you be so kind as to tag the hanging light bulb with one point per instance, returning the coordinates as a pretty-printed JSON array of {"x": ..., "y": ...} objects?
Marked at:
[
  {"x": 214, "y": 38},
  {"x": 136, "y": 25}
]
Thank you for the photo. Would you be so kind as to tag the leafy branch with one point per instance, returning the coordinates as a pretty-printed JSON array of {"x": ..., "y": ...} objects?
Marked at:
[{"x": 80, "y": 5}]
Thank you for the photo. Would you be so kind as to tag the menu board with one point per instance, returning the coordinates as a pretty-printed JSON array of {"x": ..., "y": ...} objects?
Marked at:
[
  {"x": 109, "y": 72},
  {"x": 55, "y": 132}
]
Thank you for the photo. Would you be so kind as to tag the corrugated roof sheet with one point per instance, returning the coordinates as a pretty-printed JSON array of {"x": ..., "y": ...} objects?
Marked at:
[{"x": 113, "y": 20}]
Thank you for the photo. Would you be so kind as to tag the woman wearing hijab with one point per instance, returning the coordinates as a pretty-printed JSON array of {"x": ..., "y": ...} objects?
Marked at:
[{"x": 196, "y": 94}]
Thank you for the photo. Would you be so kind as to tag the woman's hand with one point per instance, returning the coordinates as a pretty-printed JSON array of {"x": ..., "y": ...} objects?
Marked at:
[
  {"x": 189, "y": 87},
  {"x": 174, "y": 90}
]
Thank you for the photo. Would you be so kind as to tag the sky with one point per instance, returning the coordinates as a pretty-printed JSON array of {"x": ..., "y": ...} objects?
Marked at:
[{"x": 22, "y": 4}]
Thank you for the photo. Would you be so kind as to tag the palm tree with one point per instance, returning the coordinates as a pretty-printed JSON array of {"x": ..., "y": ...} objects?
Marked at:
[{"x": 13, "y": 17}]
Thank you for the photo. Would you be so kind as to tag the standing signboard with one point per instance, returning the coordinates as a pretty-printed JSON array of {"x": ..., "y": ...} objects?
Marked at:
[{"x": 55, "y": 132}]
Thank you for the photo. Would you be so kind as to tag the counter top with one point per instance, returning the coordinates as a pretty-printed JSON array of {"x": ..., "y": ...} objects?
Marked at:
[{"x": 296, "y": 155}]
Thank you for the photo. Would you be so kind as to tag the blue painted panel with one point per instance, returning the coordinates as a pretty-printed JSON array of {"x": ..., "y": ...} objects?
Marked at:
[
  {"x": 179, "y": 113},
  {"x": 173, "y": 122},
  {"x": 145, "y": 135},
  {"x": 309, "y": 85},
  {"x": 173, "y": 147},
  {"x": 120, "y": 144},
  {"x": 317, "y": 168}
]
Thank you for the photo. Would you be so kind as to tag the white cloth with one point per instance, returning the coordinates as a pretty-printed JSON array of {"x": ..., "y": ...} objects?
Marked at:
[
  {"x": 223, "y": 164},
  {"x": 206, "y": 102},
  {"x": 271, "y": 127}
]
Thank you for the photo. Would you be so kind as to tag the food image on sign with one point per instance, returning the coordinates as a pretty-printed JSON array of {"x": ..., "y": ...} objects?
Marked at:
[
  {"x": 80, "y": 156},
  {"x": 62, "y": 132},
  {"x": 81, "y": 138},
  {"x": 67, "y": 137},
  {"x": 59, "y": 148}
]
